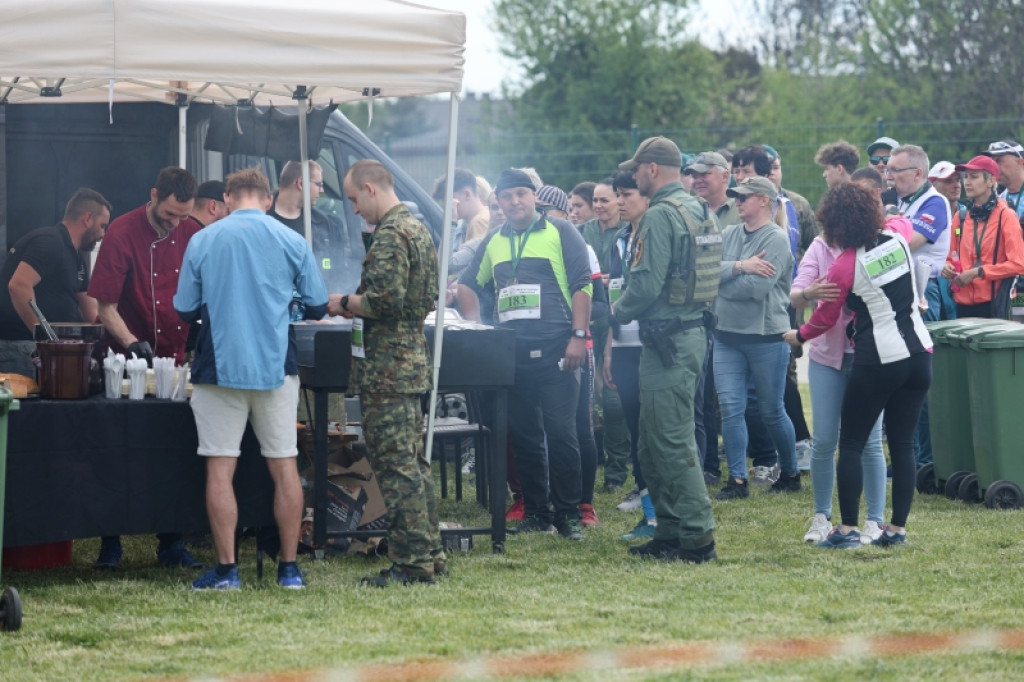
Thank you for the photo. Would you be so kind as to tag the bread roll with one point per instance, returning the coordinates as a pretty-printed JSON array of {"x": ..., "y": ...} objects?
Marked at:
[{"x": 21, "y": 386}]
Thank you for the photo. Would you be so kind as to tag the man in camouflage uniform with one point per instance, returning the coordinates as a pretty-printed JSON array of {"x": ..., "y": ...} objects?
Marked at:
[
  {"x": 668, "y": 449},
  {"x": 391, "y": 369}
]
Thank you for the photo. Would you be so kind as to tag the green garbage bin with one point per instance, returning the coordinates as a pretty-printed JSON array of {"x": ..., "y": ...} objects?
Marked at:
[
  {"x": 10, "y": 602},
  {"x": 948, "y": 418},
  {"x": 995, "y": 380}
]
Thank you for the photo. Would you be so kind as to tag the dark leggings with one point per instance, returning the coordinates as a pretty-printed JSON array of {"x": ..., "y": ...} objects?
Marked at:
[
  {"x": 585, "y": 429},
  {"x": 626, "y": 373},
  {"x": 795, "y": 409},
  {"x": 898, "y": 388}
]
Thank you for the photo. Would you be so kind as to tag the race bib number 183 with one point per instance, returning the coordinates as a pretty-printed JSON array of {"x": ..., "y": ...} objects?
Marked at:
[{"x": 519, "y": 302}]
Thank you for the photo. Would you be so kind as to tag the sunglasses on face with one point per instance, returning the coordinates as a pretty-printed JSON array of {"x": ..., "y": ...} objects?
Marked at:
[
  {"x": 743, "y": 197},
  {"x": 875, "y": 160}
]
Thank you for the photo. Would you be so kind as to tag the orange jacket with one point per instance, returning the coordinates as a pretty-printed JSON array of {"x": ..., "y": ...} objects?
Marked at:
[{"x": 1002, "y": 252}]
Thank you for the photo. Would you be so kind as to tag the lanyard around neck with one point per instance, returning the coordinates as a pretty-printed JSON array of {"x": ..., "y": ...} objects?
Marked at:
[
  {"x": 915, "y": 196},
  {"x": 979, "y": 240},
  {"x": 516, "y": 257}
]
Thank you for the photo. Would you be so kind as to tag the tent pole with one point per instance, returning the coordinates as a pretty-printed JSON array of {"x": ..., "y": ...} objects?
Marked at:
[
  {"x": 307, "y": 217},
  {"x": 442, "y": 270},
  {"x": 182, "y": 135}
]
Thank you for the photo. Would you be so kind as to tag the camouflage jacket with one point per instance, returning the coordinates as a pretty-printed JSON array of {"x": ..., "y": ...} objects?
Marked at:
[{"x": 398, "y": 288}]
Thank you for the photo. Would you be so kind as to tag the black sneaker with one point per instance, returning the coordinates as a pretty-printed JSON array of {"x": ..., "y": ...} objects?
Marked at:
[
  {"x": 533, "y": 524},
  {"x": 712, "y": 478},
  {"x": 570, "y": 529},
  {"x": 733, "y": 490},
  {"x": 666, "y": 550},
  {"x": 786, "y": 484},
  {"x": 397, "y": 575},
  {"x": 110, "y": 554},
  {"x": 175, "y": 555},
  {"x": 701, "y": 555}
]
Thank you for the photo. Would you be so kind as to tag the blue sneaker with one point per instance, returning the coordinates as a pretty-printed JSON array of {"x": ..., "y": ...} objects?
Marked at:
[
  {"x": 887, "y": 539},
  {"x": 110, "y": 554},
  {"x": 837, "y": 540},
  {"x": 289, "y": 576},
  {"x": 211, "y": 581},
  {"x": 175, "y": 555},
  {"x": 643, "y": 531}
]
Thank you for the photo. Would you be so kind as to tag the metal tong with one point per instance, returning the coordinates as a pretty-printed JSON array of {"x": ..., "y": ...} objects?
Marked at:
[{"x": 42, "y": 320}]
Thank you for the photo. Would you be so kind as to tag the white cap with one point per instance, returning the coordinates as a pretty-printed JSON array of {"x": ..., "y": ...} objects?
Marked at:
[{"x": 941, "y": 171}]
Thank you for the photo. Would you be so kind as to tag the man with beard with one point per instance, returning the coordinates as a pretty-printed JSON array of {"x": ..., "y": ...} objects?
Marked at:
[
  {"x": 47, "y": 266},
  {"x": 136, "y": 273},
  {"x": 134, "y": 282}
]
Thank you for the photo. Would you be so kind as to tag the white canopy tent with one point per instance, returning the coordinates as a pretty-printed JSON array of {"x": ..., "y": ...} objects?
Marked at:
[{"x": 227, "y": 51}]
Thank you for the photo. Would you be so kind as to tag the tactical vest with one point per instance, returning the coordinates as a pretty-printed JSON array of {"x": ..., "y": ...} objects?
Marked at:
[{"x": 696, "y": 280}]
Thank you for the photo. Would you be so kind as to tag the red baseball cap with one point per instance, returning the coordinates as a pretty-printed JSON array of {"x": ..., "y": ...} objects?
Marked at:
[{"x": 982, "y": 163}]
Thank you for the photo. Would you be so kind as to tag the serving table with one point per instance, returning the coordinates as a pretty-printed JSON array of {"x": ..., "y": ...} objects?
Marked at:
[{"x": 94, "y": 467}]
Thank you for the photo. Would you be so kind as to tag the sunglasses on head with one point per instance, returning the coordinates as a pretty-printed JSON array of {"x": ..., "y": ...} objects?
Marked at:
[
  {"x": 1003, "y": 146},
  {"x": 875, "y": 160}
]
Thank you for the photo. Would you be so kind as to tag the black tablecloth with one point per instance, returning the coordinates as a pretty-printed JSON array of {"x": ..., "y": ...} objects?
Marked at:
[{"x": 85, "y": 468}]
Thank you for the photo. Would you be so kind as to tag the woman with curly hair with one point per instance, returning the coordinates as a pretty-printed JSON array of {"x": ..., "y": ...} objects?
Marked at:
[{"x": 892, "y": 366}]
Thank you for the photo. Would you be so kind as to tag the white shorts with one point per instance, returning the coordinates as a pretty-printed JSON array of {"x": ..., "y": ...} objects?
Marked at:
[{"x": 221, "y": 414}]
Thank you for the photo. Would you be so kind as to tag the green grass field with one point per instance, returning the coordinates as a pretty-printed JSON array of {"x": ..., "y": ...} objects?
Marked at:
[
  {"x": 526, "y": 613},
  {"x": 546, "y": 595}
]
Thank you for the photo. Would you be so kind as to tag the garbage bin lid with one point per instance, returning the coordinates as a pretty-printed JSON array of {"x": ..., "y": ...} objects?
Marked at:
[
  {"x": 1006, "y": 338},
  {"x": 972, "y": 328},
  {"x": 940, "y": 328}
]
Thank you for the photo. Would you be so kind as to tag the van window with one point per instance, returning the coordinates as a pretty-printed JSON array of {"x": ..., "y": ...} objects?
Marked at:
[{"x": 338, "y": 244}]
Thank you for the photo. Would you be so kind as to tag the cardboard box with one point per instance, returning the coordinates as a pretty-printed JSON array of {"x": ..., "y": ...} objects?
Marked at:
[{"x": 354, "y": 502}]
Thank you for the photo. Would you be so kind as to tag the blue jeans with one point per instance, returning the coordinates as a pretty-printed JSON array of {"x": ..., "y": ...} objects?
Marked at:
[
  {"x": 828, "y": 386},
  {"x": 765, "y": 364}
]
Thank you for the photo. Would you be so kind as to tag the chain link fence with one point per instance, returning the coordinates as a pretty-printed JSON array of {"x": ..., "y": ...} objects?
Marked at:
[{"x": 565, "y": 159}]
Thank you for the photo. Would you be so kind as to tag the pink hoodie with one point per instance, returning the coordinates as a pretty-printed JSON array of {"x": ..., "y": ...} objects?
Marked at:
[{"x": 827, "y": 349}]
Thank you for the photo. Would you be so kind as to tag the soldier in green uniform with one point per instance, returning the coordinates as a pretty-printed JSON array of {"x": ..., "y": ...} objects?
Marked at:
[
  {"x": 672, "y": 310},
  {"x": 391, "y": 369}
]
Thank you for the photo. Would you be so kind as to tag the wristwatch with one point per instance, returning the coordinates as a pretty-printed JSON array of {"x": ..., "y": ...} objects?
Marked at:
[
  {"x": 344, "y": 303},
  {"x": 579, "y": 333}
]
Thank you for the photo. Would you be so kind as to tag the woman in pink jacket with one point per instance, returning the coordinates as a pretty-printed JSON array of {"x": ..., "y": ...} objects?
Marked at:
[{"x": 830, "y": 361}]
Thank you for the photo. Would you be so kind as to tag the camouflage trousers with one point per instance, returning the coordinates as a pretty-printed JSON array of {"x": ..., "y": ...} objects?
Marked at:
[{"x": 392, "y": 426}]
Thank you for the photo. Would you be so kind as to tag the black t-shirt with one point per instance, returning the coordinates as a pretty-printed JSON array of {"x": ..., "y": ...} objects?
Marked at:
[
  {"x": 296, "y": 223},
  {"x": 49, "y": 251}
]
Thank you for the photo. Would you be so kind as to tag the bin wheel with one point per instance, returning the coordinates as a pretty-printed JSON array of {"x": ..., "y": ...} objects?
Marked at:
[
  {"x": 1004, "y": 495},
  {"x": 953, "y": 483},
  {"x": 968, "y": 491},
  {"x": 10, "y": 610},
  {"x": 926, "y": 480}
]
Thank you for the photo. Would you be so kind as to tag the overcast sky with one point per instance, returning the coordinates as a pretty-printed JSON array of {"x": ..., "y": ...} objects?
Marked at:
[{"x": 485, "y": 67}]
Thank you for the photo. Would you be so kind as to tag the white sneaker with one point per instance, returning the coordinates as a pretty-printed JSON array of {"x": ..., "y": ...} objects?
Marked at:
[
  {"x": 469, "y": 464},
  {"x": 870, "y": 531},
  {"x": 820, "y": 528},
  {"x": 632, "y": 501},
  {"x": 764, "y": 476},
  {"x": 803, "y": 456}
]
